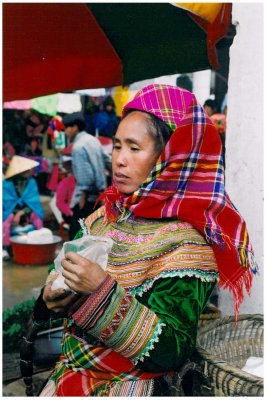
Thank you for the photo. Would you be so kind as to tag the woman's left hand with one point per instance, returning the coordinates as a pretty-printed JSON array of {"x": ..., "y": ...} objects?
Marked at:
[{"x": 81, "y": 275}]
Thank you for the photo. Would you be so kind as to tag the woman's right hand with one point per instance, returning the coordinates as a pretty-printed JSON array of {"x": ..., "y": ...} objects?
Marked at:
[{"x": 58, "y": 300}]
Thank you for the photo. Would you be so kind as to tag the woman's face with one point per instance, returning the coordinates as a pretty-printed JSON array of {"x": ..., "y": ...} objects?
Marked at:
[{"x": 134, "y": 153}]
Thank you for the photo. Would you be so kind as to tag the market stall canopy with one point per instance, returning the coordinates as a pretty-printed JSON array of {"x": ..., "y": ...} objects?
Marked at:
[{"x": 58, "y": 47}]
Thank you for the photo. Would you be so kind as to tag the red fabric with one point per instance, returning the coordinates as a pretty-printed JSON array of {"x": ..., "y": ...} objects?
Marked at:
[
  {"x": 87, "y": 381},
  {"x": 53, "y": 180},
  {"x": 68, "y": 150},
  {"x": 46, "y": 69},
  {"x": 215, "y": 30},
  {"x": 55, "y": 124}
]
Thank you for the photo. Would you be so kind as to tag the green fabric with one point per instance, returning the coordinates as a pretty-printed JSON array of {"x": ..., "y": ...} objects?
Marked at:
[
  {"x": 178, "y": 303},
  {"x": 46, "y": 104}
]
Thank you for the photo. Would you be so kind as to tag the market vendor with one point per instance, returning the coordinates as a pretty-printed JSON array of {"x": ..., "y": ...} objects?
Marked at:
[
  {"x": 175, "y": 232},
  {"x": 21, "y": 200}
]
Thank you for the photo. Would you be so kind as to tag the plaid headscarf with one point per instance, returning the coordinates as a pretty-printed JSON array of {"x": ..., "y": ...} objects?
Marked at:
[{"x": 187, "y": 183}]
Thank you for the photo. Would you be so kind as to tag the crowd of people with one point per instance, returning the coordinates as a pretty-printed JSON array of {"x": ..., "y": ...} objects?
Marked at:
[
  {"x": 68, "y": 162},
  {"x": 56, "y": 157}
]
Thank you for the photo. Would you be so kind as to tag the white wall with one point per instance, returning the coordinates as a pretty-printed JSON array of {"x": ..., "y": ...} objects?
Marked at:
[
  {"x": 201, "y": 85},
  {"x": 244, "y": 139}
]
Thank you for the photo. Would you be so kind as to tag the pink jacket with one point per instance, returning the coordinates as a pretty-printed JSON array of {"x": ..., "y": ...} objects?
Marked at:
[{"x": 64, "y": 193}]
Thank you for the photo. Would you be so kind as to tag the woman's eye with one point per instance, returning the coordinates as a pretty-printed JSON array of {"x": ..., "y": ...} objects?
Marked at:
[
  {"x": 116, "y": 147},
  {"x": 135, "y": 148}
]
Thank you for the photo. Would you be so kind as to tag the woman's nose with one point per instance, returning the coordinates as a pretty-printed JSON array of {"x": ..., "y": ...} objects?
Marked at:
[{"x": 121, "y": 158}]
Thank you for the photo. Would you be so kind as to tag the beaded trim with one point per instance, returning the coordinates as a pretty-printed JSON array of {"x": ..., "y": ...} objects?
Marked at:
[
  {"x": 146, "y": 285},
  {"x": 150, "y": 345}
]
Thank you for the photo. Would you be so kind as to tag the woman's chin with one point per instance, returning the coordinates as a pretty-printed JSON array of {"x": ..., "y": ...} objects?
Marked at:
[{"x": 125, "y": 189}]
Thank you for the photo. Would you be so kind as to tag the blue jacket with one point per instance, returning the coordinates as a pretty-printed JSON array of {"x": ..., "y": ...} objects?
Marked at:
[
  {"x": 30, "y": 197},
  {"x": 106, "y": 123}
]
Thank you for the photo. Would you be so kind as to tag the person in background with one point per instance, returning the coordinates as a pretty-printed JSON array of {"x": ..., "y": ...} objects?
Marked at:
[
  {"x": 21, "y": 199},
  {"x": 88, "y": 165},
  {"x": 90, "y": 111},
  {"x": 53, "y": 143},
  {"x": 106, "y": 121},
  {"x": 8, "y": 152},
  {"x": 175, "y": 233},
  {"x": 219, "y": 121},
  {"x": 210, "y": 106},
  {"x": 65, "y": 190},
  {"x": 50, "y": 150},
  {"x": 36, "y": 124},
  {"x": 32, "y": 148},
  {"x": 183, "y": 81}
]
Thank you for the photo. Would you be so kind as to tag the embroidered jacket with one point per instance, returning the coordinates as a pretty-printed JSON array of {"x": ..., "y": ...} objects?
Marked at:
[{"x": 146, "y": 312}]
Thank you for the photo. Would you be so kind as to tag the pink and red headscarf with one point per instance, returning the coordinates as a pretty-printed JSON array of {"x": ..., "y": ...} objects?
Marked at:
[{"x": 187, "y": 183}]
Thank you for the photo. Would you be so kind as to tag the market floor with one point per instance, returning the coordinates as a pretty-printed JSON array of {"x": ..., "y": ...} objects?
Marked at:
[
  {"x": 17, "y": 388},
  {"x": 21, "y": 282}
]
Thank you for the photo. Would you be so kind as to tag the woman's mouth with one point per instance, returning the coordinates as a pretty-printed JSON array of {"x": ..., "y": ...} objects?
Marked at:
[{"x": 120, "y": 177}]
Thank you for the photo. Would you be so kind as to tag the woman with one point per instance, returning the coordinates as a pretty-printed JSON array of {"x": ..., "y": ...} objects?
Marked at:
[
  {"x": 21, "y": 200},
  {"x": 175, "y": 235},
  {"x": 65, "y": 190}
]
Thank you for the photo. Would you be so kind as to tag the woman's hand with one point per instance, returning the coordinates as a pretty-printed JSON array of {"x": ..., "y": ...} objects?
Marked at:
[
  {"x": 82, "y": 275},
  {"x": 57, "y": 300},
  {"x": 16, "y": 219}
]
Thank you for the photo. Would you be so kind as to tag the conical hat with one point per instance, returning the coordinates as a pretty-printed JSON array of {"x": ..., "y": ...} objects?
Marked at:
[{"x": 18, "y": 165}]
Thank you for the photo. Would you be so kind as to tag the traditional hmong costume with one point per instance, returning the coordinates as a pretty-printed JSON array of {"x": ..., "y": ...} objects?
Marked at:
[{"x": 173, "y": 239}]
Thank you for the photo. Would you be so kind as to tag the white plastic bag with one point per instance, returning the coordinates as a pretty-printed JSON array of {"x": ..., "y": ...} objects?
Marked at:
[{"x": 94, "y": 248}]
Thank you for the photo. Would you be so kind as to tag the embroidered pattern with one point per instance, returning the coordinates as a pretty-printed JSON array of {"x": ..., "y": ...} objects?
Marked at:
[
  {"x": 126, "y": 326},
  {"x": 153, "y": 249},
  {"x": 92, "y": 308}
]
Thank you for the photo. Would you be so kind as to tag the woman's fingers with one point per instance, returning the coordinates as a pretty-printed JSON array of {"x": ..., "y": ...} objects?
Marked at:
[
  {"x": 51, "y": 295},
  {"x": 68, "y": 265},
  {"x": 70, "y": 283},
  {"x": 60, "y": 304},
  {"x": 72, "y": 279},
  {"x": 76, "y": 258},
  {"x": 81, "y": 275}
]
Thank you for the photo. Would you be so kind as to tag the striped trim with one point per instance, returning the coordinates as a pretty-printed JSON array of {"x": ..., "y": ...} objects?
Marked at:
[
  {"x": 93, "y": 307},
  {"x": 140, "y": 388},
  {"x": 127, "y": 326}
]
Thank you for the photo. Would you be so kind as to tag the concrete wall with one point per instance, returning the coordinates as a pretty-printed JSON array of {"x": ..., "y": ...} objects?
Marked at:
[{"x": 244, "y": 139}]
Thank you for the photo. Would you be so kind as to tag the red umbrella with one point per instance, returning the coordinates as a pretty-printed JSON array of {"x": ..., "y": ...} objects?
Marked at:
[{"x": 57, "y": 47}]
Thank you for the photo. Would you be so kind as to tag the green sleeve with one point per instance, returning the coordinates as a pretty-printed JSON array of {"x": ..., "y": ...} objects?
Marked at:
[{"x": 178, "y": 303}]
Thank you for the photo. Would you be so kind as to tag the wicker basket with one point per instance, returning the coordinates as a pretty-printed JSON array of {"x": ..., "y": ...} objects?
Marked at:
[
  {"x": 210, "y": 314},
  {"x": 222, "y": 350}
]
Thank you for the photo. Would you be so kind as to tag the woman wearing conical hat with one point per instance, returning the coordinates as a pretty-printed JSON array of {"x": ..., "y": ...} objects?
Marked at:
[{"x": 21, "y": 199}]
